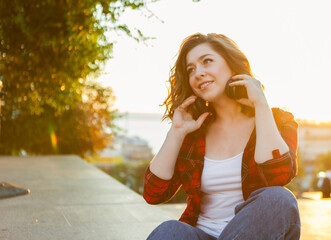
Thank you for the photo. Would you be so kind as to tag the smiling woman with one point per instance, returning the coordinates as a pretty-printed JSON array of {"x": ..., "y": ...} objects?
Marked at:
[
  {"x": 231, "y": 155},
  {"x": 229, "y": 58}
]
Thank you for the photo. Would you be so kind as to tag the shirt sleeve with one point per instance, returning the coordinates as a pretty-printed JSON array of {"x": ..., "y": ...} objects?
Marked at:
[
  {"x": 281, "y": 169},
  {"x": 158, "y": 190}
]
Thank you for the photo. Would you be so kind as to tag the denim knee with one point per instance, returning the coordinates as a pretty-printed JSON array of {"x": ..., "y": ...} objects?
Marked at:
[
  {"x": 278, "y": 196},
  {"x": 163, "y": 229},
  {"x": 271, "y": 197},
  {"x": 272, "y": 210},
  {"x": 176, "y": 230},
  {"x": 170, "y": 224},
  {"x": 282, "y": 199}
]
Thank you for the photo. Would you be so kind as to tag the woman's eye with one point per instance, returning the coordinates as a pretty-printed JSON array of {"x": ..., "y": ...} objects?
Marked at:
[
  {"x": 207, "y": 60},
  {"x": 190, "y": 70}
]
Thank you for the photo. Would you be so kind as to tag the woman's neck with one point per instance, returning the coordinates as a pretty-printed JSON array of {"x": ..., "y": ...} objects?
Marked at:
[{"x": 228, "y": 111}]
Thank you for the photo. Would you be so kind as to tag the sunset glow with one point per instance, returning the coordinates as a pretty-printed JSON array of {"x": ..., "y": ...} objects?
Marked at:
[{"x": 286, "y": 43}]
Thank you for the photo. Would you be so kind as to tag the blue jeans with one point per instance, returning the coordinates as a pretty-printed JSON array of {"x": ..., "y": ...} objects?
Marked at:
[{"x": 269, "y": 213}]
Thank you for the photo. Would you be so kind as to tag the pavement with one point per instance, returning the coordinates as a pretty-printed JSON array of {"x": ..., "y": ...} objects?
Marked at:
[
  {"x": 315, "y": 215},
  {"x": 71, "y": 199}
]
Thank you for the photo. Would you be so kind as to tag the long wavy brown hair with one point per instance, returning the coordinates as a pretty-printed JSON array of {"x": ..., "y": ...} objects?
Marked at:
[{"x": 180, "y": 88}]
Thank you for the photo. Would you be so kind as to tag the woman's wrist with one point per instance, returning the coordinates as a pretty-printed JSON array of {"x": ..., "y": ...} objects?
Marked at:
[
  {"x": 176, "y": 133},
  {"x": 261, "y": 103}
]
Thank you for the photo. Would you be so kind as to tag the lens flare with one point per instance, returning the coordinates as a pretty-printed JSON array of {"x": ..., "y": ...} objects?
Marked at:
[
  {"x": 321, "y": 174},
  {"x": 53, "y": 138}
]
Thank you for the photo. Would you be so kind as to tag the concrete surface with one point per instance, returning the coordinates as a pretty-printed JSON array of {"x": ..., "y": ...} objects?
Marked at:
[
  {"x": 315, "y": 216},
  {"x": 71, "y": 199}
]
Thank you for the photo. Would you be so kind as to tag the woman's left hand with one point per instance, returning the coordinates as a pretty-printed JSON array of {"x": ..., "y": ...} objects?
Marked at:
[{"x": 254, "y": 89}]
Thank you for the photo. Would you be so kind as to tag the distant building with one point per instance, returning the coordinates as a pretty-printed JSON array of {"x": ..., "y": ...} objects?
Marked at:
[
  {"x": 106, "y": 157},
  {"x": 314, "y": 139},
  {"x": 125, "y": 149},
  {"x": 135, "y": 148}
]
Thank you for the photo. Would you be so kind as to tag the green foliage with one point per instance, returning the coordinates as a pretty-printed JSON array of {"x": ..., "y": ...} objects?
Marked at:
[
  {"x": 47, "y": 51},
  {"x": 132, "y": 175}
]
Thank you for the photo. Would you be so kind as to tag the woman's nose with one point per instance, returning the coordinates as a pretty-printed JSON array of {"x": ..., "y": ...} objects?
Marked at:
[{"x": 200, "y": 71}]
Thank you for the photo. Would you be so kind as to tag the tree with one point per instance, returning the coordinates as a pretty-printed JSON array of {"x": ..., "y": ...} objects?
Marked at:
[{"x": 47, "y": 51}]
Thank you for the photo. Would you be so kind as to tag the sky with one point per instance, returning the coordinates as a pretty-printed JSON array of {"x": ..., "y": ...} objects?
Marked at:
[{"x": 287, "y": 42}]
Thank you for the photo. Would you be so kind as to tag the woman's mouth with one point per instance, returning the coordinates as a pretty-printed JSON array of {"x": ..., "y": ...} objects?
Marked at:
[{"x": 204, "y": 85}]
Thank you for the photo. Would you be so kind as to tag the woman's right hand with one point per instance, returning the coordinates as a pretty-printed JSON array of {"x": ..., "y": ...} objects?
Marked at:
[{"x": 183, "y": 122}]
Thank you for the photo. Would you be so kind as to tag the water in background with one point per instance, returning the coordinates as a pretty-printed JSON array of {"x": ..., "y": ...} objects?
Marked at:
[{"x": 146, "y": 126}]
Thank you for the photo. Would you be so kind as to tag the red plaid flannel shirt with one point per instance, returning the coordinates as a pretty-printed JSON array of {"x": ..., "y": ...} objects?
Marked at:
[{"x": 278, "y": 171}]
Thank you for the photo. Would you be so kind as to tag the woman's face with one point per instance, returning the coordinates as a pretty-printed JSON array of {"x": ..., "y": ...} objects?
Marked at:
[{"x": 208, "y": 72}]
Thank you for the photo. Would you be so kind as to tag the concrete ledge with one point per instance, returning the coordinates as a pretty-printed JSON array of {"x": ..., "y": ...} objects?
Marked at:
[{"x": 71, "y": 199}]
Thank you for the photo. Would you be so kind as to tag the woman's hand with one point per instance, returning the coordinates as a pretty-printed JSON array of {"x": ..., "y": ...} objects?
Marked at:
[
  {"x": 254, "y": 89},
  {"x": 183, "y": 122}
]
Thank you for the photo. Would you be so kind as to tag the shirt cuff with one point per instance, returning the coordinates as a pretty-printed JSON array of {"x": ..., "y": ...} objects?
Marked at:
[
  {"x": 277, "y": 159},
  {"x": 155, "y": 180}
]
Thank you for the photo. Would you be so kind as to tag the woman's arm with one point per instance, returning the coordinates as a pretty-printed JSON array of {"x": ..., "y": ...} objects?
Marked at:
[
  {"x": 161, "y": 179},
  {"x": 164, "y": 162},
  {"x": 268, "y": 138},
  {"x": 282, "y": 168}
]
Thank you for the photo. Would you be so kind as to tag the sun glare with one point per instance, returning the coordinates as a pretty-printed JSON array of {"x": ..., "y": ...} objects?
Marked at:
[{"x": 53, "y": 138}]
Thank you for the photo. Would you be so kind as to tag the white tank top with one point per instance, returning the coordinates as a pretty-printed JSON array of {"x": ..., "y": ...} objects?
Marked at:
[{"x": 220, "y": 193}]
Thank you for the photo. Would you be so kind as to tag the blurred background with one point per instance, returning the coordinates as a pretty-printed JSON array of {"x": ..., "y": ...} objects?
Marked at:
[{"x": 87, "y": 77}]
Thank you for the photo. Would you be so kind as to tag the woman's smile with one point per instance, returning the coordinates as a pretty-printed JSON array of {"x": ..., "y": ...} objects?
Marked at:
[{"x": 205, "y": 85}]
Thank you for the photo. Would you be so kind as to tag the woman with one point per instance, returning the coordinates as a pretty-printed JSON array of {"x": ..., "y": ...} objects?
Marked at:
[{"x": 232, "y": 156}]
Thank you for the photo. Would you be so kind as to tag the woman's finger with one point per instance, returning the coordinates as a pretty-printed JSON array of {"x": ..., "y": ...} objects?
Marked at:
[
  {"x": 187, "y": 102},
  {"x": 238, "y": 83},
  {"x": 241, "y": 76},
  {"x": 246, "y": 82},
  {"x": 202, "y": 118}
]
